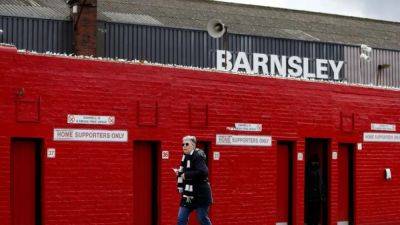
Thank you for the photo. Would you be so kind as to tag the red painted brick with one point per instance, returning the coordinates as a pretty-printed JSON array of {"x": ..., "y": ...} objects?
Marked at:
[{"x": 91, "y": 183}]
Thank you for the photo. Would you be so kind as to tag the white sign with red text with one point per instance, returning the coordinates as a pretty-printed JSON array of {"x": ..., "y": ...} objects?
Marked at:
[
  {"x": 382, "y": 126},
  {"x": 246, "y": 127},
  {"x": 89, "y": 119}
]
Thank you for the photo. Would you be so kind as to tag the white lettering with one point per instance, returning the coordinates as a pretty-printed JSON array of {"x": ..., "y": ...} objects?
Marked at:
[
  {"x": 260, "y": 60},
  {"x": 294, "y": 62},
  {"x": 278, "y": 64},
  {"x": 322, "y": 67},
  {"x": 242, "y": 63},
  {"x": 307, "y": 74},
  {"x": 336, "y": 68},
  {"x": 293, "y": 66},
  {"x": 224, "y": 59}
]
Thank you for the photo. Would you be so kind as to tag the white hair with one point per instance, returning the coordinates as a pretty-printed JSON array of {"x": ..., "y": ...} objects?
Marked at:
[{"x": 190, "y": 138}]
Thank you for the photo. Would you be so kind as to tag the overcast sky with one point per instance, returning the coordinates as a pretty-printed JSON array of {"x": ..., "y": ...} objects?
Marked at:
[{"x": 375, "y": 9}]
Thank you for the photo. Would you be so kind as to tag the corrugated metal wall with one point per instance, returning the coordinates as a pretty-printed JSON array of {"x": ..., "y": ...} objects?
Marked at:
[
  {"x": 38, "y": 35},
  {"x": 367, "y": 72},
  {"x": 194, "y": 47},
  {"x": 197, "y": 48}
]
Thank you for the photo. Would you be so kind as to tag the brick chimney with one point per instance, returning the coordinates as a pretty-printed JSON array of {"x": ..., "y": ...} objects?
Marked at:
[{"x": 84, "y": 19}]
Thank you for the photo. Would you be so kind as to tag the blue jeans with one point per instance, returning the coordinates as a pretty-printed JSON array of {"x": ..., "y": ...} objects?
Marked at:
[{"x": 202, "y": 215}]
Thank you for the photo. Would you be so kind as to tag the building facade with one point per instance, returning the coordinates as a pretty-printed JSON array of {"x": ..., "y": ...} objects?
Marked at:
[
  {"x": 300, "y": 130},
  {"x": 270, "y": 143}
]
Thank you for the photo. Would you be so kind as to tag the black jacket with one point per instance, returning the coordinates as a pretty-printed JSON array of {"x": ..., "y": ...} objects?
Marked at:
[{"x": 196, "y": 188}]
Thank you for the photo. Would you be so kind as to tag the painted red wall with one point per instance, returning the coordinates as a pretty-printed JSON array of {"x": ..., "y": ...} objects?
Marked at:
[{"x": 91, "y": 183}]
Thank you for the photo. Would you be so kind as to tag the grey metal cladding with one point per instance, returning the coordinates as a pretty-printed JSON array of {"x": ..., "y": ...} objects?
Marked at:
[
  {"x": 38, "y": 35},
  {"x": 196, "y": 48},
  {"x": 367, "y": 72},
  {"x": 240, "y": 18}
]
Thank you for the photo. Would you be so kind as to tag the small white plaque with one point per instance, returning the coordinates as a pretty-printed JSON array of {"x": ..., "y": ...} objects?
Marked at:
[
  {"x": 381, "y": 137},
  {"x": 51, "y": 153},
  {"x": 334, "y": 155},
  {"x": 383, "y": 126},
  {"x": 248, "y": 126},
  {"x": 216, "y": 155},
  {"x": 90, "y": 135},
  {"x": 165, "y": 155},
  {"x": 75, "y": 9},
  {"x": 299, "y": 156},
  {"x": 89, "y": 119},
  {"x": 359, "y": 146},
  {"x": 243, "y": 140}
]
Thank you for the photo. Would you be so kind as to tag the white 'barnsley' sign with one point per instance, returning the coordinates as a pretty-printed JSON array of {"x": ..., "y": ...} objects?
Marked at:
[{"x": 292, "y": 66}]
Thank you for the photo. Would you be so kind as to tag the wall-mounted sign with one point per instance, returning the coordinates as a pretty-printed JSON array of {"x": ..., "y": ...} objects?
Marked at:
[
  {"x": 88, "y": 119},
  {"x": 216, "y": 155},
  {"x": 243, "y": 140},
  {"x": 300, "y": 156},
  {"x": 334, "y": 155},
  {"x": 382, "y": 126},
  {"x": 292, "y": 66},
  {"x": 246, "y": 127},
  {"x": 165, "y": 154},
  {"x": 381, "y": 137},
  {"x": 90, "y": 135},
  {"x": 359, "y": 146},
  {"x": 51, "y": 153}
]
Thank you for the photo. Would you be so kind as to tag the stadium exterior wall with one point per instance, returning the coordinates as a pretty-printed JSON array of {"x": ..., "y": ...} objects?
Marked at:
[{"x": 93, "y": 182}]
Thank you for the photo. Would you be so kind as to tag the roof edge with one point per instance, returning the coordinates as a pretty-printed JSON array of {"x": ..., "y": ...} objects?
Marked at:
[{"x": 300, "y": 11}]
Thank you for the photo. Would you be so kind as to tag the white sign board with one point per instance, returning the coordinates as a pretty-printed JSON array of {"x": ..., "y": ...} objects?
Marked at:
[
  {"x": 88, "y": 119},
  {"x": 243, "y": 140},
  {"x": 165, "y": 155},
  {"x": 334, "y": 155},
  {"x": 51, "y": 153},
  {"x": 359, "y": 146},
  {"x": 381, "y": 137},
  {"x": 300, "y": 156},
  {"x": 216, "y": 155},
  {"x": 246, "y": 127},
  {"x": 381, "y": 126},
  {"x": 90, "y": 135}
]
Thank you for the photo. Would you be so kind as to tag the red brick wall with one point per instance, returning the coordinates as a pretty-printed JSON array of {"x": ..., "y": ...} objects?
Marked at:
[
  {"x": 91, "y": 183},
  {"x": 85, "y": 28}
]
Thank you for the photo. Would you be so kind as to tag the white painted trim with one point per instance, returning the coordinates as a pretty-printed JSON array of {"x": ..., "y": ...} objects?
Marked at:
[
  {"x": 281, "y": 223},
  {"x": 343, "y": 223}
]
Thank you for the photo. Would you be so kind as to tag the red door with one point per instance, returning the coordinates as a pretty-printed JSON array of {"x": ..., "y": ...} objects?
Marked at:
[
  {"x": 26, "y": 182},
  {"x": 145, "y": 183},
  {"x": 284, "y": 177},
  {"x": 316, "y": 182},
  {"x": 345, "y": 184}
]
